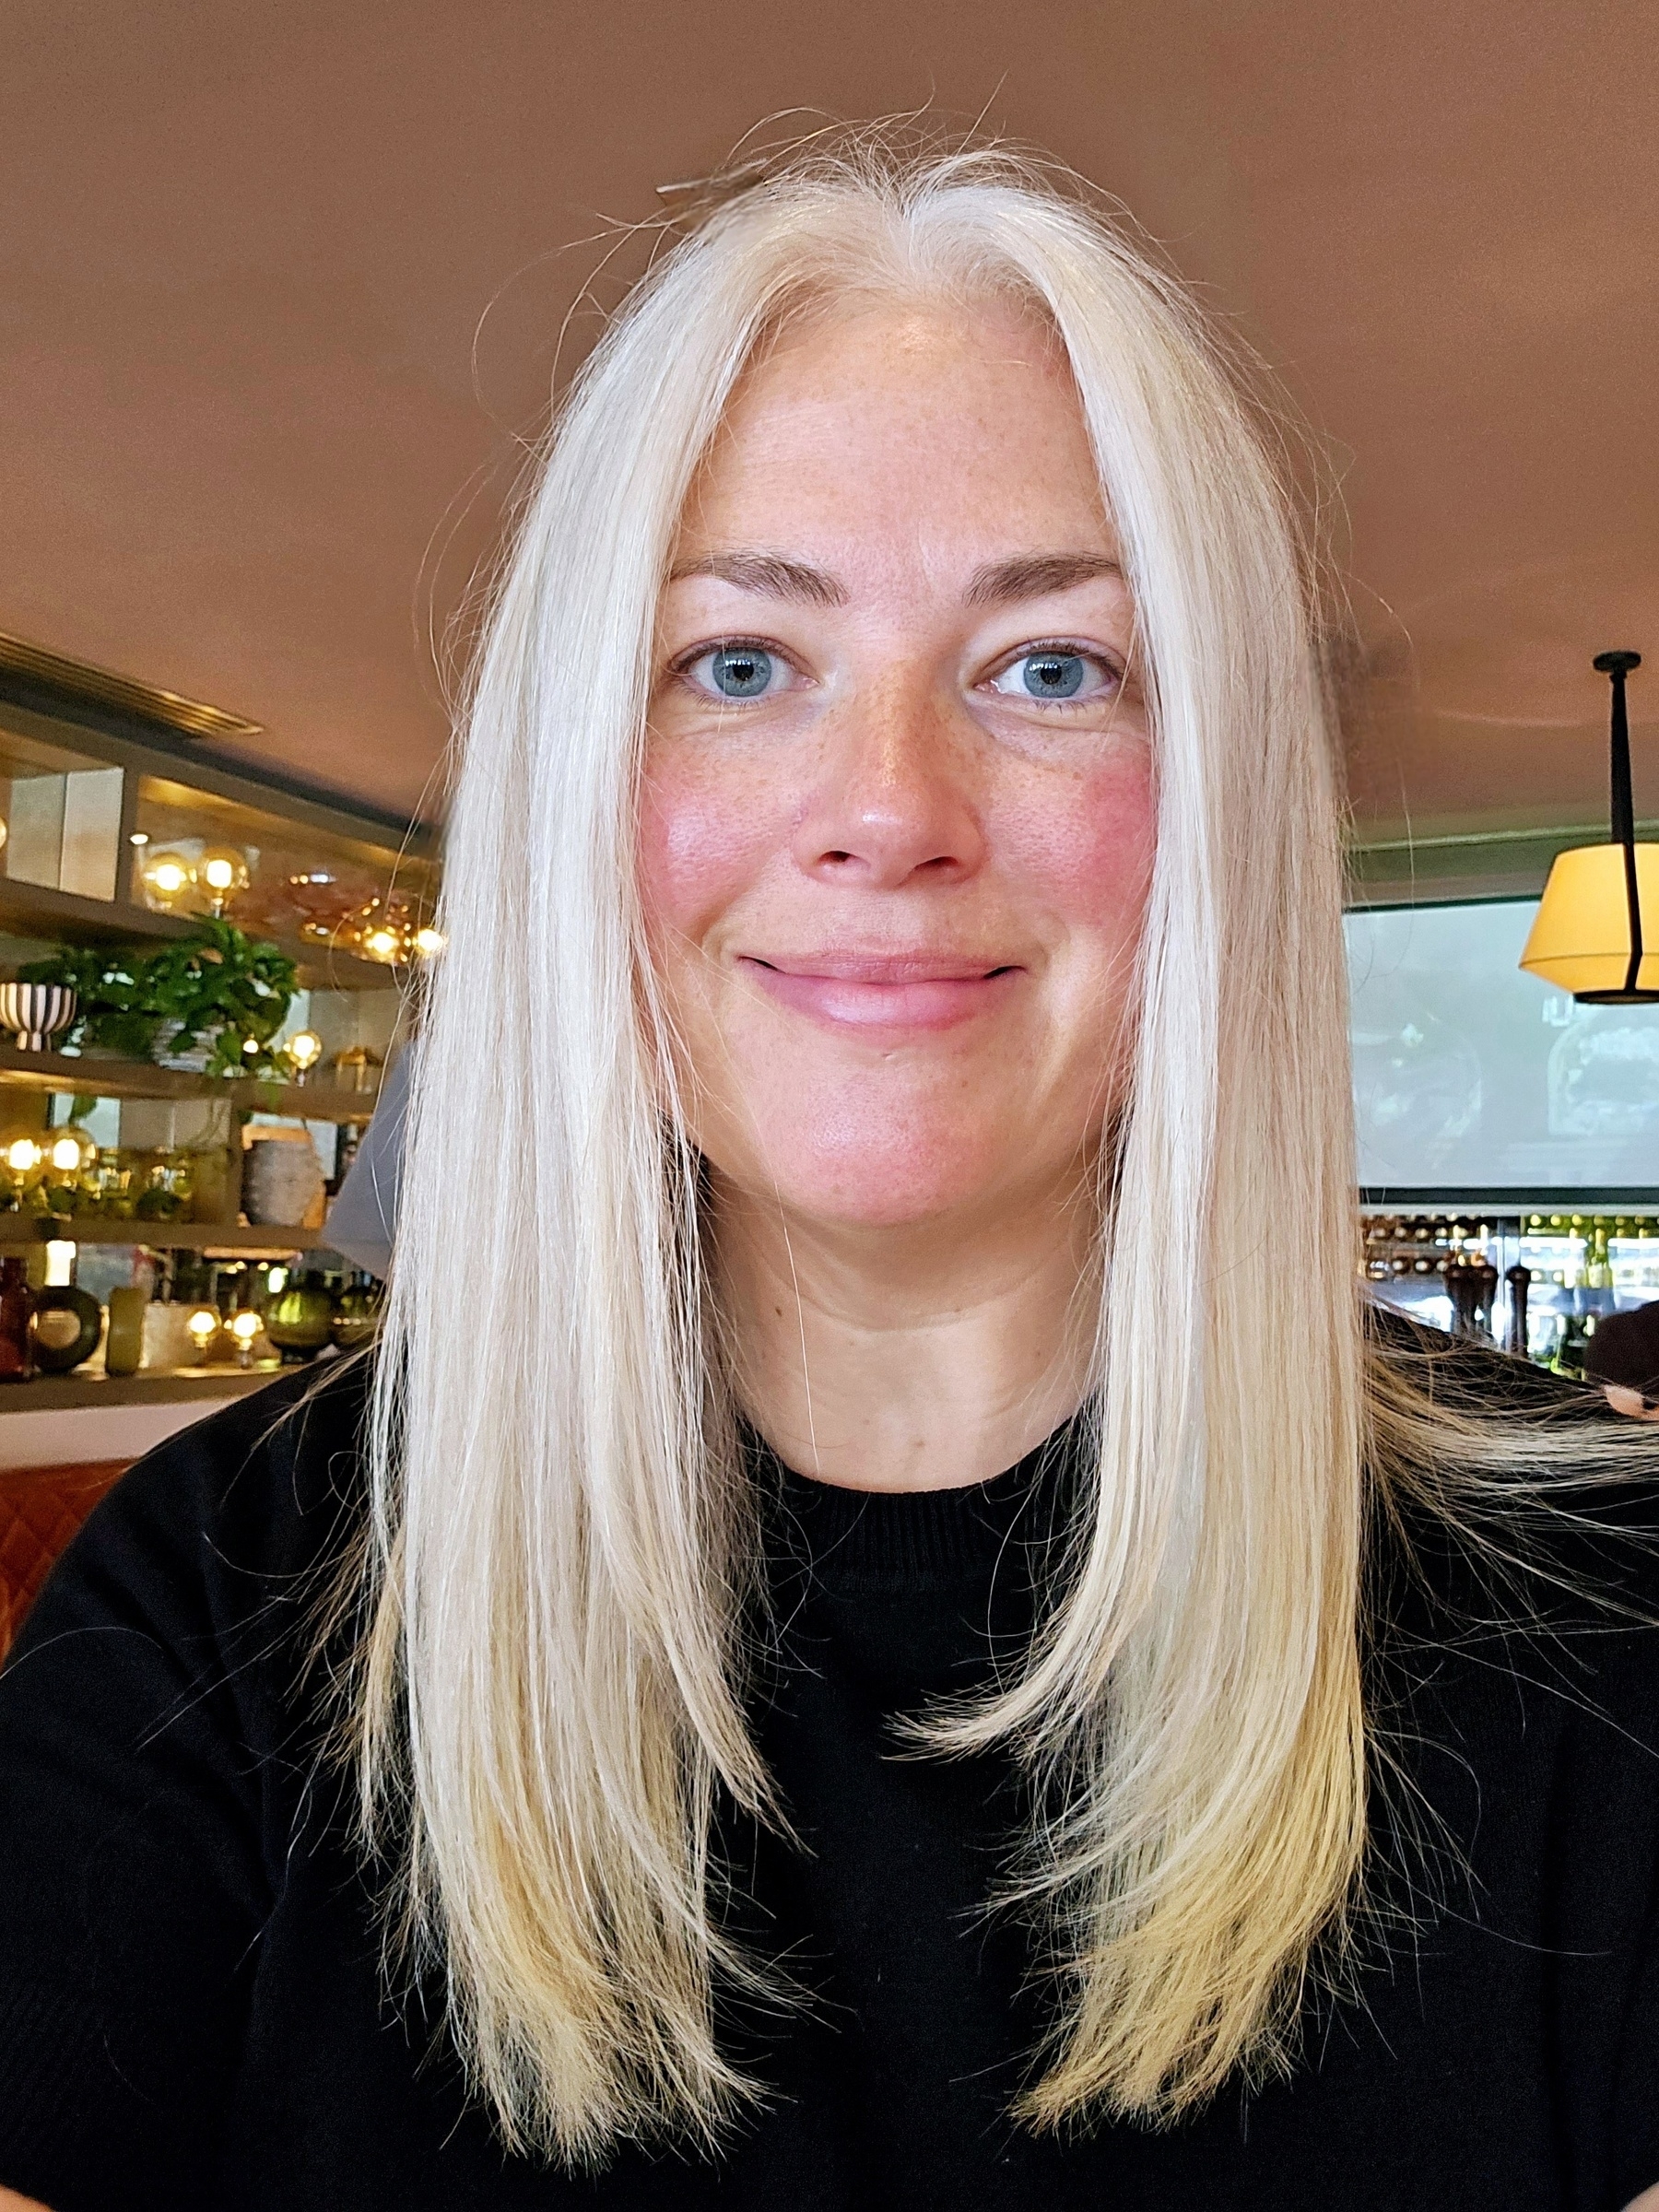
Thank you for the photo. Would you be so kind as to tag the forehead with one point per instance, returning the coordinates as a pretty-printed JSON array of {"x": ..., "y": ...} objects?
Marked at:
[{"x": 931, "y": 425}]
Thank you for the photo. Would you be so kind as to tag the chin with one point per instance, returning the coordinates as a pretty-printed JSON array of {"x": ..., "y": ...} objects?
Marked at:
[{"x": 889, "y": 1177}]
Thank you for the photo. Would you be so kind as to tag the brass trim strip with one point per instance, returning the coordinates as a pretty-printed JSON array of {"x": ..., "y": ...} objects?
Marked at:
[
  {"x": 1587, "y": 833},
  {"x": 103, "y": 688}
]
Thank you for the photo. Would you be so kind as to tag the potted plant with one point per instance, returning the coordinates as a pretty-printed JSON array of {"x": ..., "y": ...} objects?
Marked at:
[{"x": 216, "y": 991}]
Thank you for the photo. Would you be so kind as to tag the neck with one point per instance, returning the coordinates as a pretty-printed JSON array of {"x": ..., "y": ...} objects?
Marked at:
[{"x": 905, "y": 1359}]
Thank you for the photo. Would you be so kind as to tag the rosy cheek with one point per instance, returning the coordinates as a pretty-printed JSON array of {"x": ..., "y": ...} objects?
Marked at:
[
  {"x": 1087, "y": 850},
  {"x": 700, "y": 844}
]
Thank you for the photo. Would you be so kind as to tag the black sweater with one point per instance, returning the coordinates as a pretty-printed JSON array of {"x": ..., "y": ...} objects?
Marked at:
[{"x": 189, "y": 2008}]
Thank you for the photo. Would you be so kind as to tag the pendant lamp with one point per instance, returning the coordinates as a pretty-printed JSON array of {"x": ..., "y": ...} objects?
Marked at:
[{"x": 1587, "y": 936}]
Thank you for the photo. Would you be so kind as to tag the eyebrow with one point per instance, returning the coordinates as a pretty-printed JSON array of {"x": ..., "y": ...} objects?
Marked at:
[
  {"x": 769, "y": 574},
  {"x": 1034, "y": 576},
  {"x": 1026, "y": 576}
]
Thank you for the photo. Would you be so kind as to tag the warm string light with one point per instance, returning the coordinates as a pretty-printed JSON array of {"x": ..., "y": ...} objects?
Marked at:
[
  {"x": 384, "y": 929},
  {"x": 304, "y": 1048},
  {"x": 222, "y": 872},
  {"x": 168, "y": 876},
  {"x": 69, "y": 1151},
  {"x": 244, "y": 1327},
  {"x": 387, "y": 931},
  {"x": 172, "y": 878}
]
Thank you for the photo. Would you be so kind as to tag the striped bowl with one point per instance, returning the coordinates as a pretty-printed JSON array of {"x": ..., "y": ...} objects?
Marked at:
[{"x": 36, "y": 1012}]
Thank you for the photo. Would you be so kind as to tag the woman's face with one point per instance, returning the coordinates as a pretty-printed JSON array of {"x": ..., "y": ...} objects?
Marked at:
[{"x": 897, "y": 820}]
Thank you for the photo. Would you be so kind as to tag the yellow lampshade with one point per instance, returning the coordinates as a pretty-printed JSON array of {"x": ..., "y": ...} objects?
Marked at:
[{"x": 1581, "y": 935}]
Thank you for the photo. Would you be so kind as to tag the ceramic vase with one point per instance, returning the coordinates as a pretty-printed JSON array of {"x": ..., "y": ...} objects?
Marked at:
[
  {"x": 299, "y": 1322},
  {"x": 282, "y": 1179},
  {"x": 34, "y": 1013}
]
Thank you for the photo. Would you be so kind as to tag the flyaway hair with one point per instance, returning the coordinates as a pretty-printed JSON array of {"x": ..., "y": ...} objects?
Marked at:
[{"x": 551, "y": 1693}]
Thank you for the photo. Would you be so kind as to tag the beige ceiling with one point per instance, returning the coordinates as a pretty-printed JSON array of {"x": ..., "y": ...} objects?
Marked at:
[{"x": 282, "y": 285}]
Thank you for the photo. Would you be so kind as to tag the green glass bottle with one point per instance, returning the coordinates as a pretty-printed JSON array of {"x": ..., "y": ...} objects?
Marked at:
[
  {"x": 299, "y": 1323},
  {"x": 356, "y": 1312}
]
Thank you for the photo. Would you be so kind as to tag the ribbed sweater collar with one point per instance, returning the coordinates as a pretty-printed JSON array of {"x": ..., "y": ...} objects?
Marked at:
[{"x": 916, "y": 1537}]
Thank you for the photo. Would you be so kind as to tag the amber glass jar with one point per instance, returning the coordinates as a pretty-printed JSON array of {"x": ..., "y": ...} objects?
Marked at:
[{"x": 17, "y": 1347}]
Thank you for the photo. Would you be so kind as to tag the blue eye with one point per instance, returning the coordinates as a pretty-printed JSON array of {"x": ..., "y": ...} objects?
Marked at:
[
  {"x": 1052, "y": 675},
  {"x": 739, "y": 670},
  {"x": 1054, "y": 671}
]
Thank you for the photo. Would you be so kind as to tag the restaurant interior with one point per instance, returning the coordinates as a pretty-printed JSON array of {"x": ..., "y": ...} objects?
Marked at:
[{"x": 287, "y": 295}]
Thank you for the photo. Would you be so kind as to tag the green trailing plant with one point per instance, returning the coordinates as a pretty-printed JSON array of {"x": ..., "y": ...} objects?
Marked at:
[
  {"x": 112, "y": 1012},
  {"x": 217, "y": 987}
]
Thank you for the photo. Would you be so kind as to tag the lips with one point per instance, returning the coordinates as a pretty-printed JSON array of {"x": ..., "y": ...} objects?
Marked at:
[{"x": 883, "y": 991}]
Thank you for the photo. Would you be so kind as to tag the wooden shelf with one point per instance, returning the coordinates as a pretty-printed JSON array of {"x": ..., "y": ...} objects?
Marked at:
[
  {"x": 35, "y": 911},
  {"x": 89, "y": 1074},
  {"x": 32, "y": 909},
  {"x": 150, "y": 1386},
  {"x": 159, "y": 1236}
]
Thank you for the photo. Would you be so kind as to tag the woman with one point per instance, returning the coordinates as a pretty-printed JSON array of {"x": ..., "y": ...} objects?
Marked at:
[{"x": 897, "y": 1644}]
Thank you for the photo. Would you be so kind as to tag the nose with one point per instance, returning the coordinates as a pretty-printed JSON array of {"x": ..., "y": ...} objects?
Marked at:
[{"x": 892, "y": 804}]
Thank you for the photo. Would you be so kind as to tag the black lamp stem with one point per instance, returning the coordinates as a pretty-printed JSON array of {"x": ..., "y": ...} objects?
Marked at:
[
  {"x": 1618, "y": 666},
  {"x": 1624, "y": 810}
]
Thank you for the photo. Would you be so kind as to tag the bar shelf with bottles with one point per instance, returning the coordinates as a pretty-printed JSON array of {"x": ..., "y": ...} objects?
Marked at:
[
  {"x": 174, "y": 1323},
  {"x": 152, "y": 1246},
  {"x": 1534, "y": 1284}
]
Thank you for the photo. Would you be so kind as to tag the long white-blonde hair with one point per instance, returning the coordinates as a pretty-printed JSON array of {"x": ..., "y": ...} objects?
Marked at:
[{"x": 551, "y": 1686}]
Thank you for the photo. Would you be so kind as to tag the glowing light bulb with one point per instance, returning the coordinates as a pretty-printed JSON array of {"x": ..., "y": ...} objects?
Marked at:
[
  {"x": 23, "y": 1155},
  {"x": 222, "y": 870},
  {"x": 203, "y": 1326},
  {"x": 383, "y": 943},
  {"x": 244, "y": 1327},
  {"x": 67, "y": 1154},
  {"x": 167, "y": 876},
  {"x": 429, "y": 943},
  {"x": 305, "y": 1048}
]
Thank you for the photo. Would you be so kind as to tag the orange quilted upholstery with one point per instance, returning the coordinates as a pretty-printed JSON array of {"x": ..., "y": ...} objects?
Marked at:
[{"x": 41, "y": 1507}]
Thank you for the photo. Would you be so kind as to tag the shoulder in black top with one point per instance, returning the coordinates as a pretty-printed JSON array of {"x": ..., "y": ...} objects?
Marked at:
[{"x": 191, "y": 2011}]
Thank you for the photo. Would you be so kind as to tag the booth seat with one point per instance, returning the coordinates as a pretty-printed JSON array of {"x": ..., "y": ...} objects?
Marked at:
[{"x": 41, "y": 1507}]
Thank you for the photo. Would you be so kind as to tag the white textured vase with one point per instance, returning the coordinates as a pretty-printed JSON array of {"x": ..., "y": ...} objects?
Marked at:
[{"x": 282, "y": 1181}]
